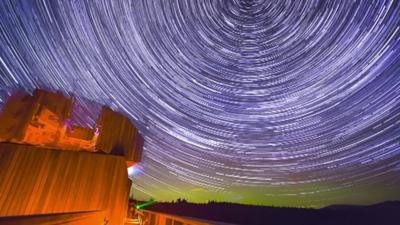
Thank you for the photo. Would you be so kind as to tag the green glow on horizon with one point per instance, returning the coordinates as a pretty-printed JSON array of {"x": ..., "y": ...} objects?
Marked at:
[{"x": 305, "y": 195}]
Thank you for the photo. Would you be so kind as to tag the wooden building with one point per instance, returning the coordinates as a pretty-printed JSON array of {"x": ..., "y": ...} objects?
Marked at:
[{"x": 54, "y": 171}]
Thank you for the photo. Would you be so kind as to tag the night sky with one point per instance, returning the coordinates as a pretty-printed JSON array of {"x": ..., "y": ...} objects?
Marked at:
[{"x": 292, "y": 103}]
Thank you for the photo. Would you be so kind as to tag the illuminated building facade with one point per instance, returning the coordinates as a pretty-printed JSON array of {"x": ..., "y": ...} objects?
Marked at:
[
  {"x": 42, "y": 119},
  {"x": 63, "y": 172}
]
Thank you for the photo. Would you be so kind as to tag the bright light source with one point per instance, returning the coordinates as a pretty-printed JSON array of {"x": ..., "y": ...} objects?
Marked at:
[{"x": 134, "y": 170}]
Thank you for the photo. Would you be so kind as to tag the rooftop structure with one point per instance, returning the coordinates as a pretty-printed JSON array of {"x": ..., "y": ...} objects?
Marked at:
[{"x": 43, "y": 119}]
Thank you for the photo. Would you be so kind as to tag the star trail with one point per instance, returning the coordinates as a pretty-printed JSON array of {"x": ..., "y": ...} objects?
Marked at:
[{"x": 293, "y": 103}]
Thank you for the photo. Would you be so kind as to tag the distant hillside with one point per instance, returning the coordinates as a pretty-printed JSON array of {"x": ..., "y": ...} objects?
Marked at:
[
  {"x": 387, "y": 206},
  {"x": 387, "y": 213}
]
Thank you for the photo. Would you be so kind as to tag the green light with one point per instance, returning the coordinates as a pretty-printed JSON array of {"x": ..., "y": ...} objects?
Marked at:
[{"x": 145, "y": 204}]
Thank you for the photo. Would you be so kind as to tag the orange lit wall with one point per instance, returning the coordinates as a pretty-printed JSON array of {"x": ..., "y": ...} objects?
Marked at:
[
  {"x": 34, "y": 119},
  {"x": 77, "y": 138},
  {"x": 43, "y": 129},
  {"x": 118, "y": 135},
  {"x": 80, "y": 218},
  {"x": 34, "y": 180},
  {"x": 15, "y": 116}
]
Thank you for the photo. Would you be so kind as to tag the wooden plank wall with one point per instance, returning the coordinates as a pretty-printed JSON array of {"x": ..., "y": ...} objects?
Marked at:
[
  {"x": 80, "y": 218},
  {"x": 118, "y": 135},
  {"x": 41, "y": 181}
]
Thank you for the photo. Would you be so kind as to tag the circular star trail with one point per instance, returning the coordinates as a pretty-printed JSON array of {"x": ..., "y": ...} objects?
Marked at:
[{"x": 266, "y": 102}]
